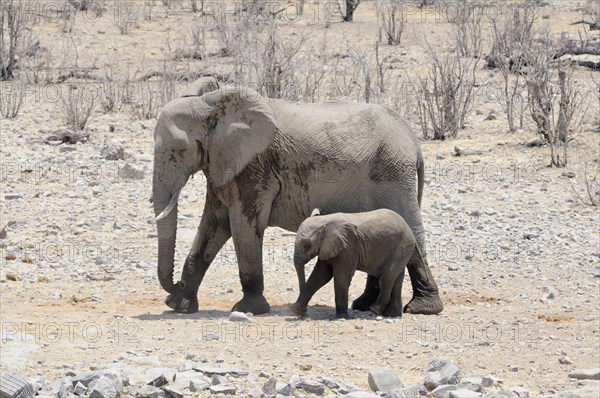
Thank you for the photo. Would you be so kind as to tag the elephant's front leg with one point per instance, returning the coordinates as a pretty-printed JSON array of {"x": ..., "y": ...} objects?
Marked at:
[
  {"x": 212, "y": 234},
  {"x": 247, "y": 232}
]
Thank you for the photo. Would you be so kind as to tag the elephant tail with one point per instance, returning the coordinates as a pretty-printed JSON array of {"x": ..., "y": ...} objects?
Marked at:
[{"x": 420, "y": 179}]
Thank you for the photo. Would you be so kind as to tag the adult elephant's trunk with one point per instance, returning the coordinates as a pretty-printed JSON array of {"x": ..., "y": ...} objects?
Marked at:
[{"x": 165, "y": 209}]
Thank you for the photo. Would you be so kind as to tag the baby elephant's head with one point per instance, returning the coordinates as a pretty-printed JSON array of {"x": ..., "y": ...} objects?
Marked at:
[{"x": 323, "y": 236}]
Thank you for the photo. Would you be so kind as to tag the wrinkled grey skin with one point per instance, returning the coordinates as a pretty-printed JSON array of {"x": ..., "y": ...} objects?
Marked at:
[
  {"x": 268, "y": 163},
  {"x": 377, "y": 242}
]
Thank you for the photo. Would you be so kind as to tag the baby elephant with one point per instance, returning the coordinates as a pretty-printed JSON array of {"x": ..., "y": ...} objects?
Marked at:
[{"x": 378, "y": 242}]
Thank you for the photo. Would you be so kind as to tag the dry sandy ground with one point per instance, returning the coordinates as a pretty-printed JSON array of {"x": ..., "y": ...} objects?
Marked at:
[{"x": 501, "y": 227}]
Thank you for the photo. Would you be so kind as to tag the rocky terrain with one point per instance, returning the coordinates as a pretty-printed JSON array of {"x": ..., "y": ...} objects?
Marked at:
[{"x": 514, "y": 249}]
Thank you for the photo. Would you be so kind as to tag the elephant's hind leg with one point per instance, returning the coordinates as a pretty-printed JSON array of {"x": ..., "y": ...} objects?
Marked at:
[
  {"x": 426, "y": 299},
  {"x": 365, "y": 300},
  {"x": 212, "y": 234}
]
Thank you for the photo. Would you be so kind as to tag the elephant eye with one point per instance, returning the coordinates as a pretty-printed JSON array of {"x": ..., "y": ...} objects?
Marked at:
[{"x": 306, "y": 245}]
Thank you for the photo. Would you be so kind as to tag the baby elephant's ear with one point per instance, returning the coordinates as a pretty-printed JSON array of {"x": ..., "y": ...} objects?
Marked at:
[
  {"x": 335, "y": 240},
  {"x": 316, "y": 212}
]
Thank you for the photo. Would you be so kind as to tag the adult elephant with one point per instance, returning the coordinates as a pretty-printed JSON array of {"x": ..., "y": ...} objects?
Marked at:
[{"x": 269, "y": 163}]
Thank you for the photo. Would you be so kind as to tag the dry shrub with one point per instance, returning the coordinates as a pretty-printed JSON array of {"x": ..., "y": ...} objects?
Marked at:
[
  {"x": 554, "y": 100},
  {"x": 78, "y": 101},
  {"x": 467, "y": 18},
  {"x": 446, "y": 95},
  {"x": 391, "y": 18},
  {"x": 512, "y": 34},
  {"x": 13, "y": 23},
  {"x": 12, "y": 95}
]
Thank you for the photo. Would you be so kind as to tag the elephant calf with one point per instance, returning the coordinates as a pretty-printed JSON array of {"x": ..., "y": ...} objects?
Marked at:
[{"x": 378, "y": 242}]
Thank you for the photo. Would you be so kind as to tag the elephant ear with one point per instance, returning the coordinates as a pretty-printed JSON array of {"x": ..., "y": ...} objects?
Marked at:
[
  {"x": 201, "y": 86},
  {"x": 334, "y": 240},
  {"x": 243, "y": 126}
]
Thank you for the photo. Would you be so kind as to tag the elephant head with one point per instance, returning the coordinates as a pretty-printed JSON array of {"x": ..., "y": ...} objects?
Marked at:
[
  {"x": 219, "y": 132},
  {"x": 322, "y": 236}
]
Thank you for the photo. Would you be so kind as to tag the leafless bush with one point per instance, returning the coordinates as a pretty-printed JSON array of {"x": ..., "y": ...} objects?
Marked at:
[
  {"x": 12, "y": 95},
  {"x": 147, "y": 8},
  {"x": 83, "y": 5},
  {"x": 513, "y": 35},
  {"x": 446, "y": 94},
  {"x": 555, "y": 106},
  {"x": 116, "y": 90},
  {"x": 127, "y": 19},
  {"x": 193, "y": 45},
  {"x": 194, "y": 6},
  {"x": 592, "y": 10},
  {"x": 69, "y": 15},
  {"x": 585, "y": 185},
  {"x": 12, "y": 24},
  {"x": 151, "y": 95},
  {"x": 467, "y": 18},
  {"x": 79, "y": 101},
  {"x": 391, "y": 18},
  {"x": 264, "y": 58}
]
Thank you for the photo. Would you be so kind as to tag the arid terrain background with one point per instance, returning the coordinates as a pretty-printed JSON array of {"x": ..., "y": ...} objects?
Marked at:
[{"x": 512, "y": 242}]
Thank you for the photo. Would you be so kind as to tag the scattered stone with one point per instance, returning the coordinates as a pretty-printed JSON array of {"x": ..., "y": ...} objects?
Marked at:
[
  {"x": 311, "y": 386},
  {"x": 287, "y": 390},
  {"x": 464, "y": 393},
  {"x": 585, "y": 374},
  {"x": 255, "y": 393},
  {"x": 59, "y": 388},
  {"x": 198, "y": 385},
  {"x": 384, "y": 380},
  {"x": 522, "y": 392},
  {"x": 441, "y": 371},
  {"x": 443, "y": 391},
  {"x": 218, "y": 380},
  {"x": 79, "y": 389},
  {"x": 412, "y": 391},
  {"x": 491, "y": 116},
  {"x": 549, "y": 293},
  {"x": 112, "y": 151},
  {"x": 149, "y": 391},
  {"x": 361, "y": 394},
  {"x": 270, "y": 387},
  {"x": 223, "y": 389},
  {"x": 478, "y": 381},
  {"x": 565, "y": 360},
  {"x": 184, "y": 367},
  {"x": 67, "y": 136},
  {"x": 236, "y": 316},
  {"x": 589, "y": 391},
  {"x": 130, "y": 172},
  {"x": 108, "y": 385},
  {"x": 172, "y": 392},
  {"x": 209, "y": 370},
  {"x": 13, "y": 386},
  {"x": 11, "y": 196},
  {"x": 3, "y": 232},
  {"x": 159, "y": 381},
  {"x": 503, "y": 393},
  {"x": 568, "y": 174}
]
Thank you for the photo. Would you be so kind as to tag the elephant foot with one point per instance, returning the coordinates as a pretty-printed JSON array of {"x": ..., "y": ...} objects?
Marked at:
[
  {"x": 182, "y": 304},
  {"x": 254, "y": 303},
  {"x": 426, "y": 305},
  {"x": 365, "y": 301},
  {"x": 297, "y": 309},
  {"x": 376, "y": 309},
  {"x": 393, "y": 311},
  {"x": 342, "y": 315}
]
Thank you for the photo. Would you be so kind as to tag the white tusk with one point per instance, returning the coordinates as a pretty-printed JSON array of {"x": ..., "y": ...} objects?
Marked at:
[
  {"x": 316, "y": 212},
  {"x": 170, "y": 206}
]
